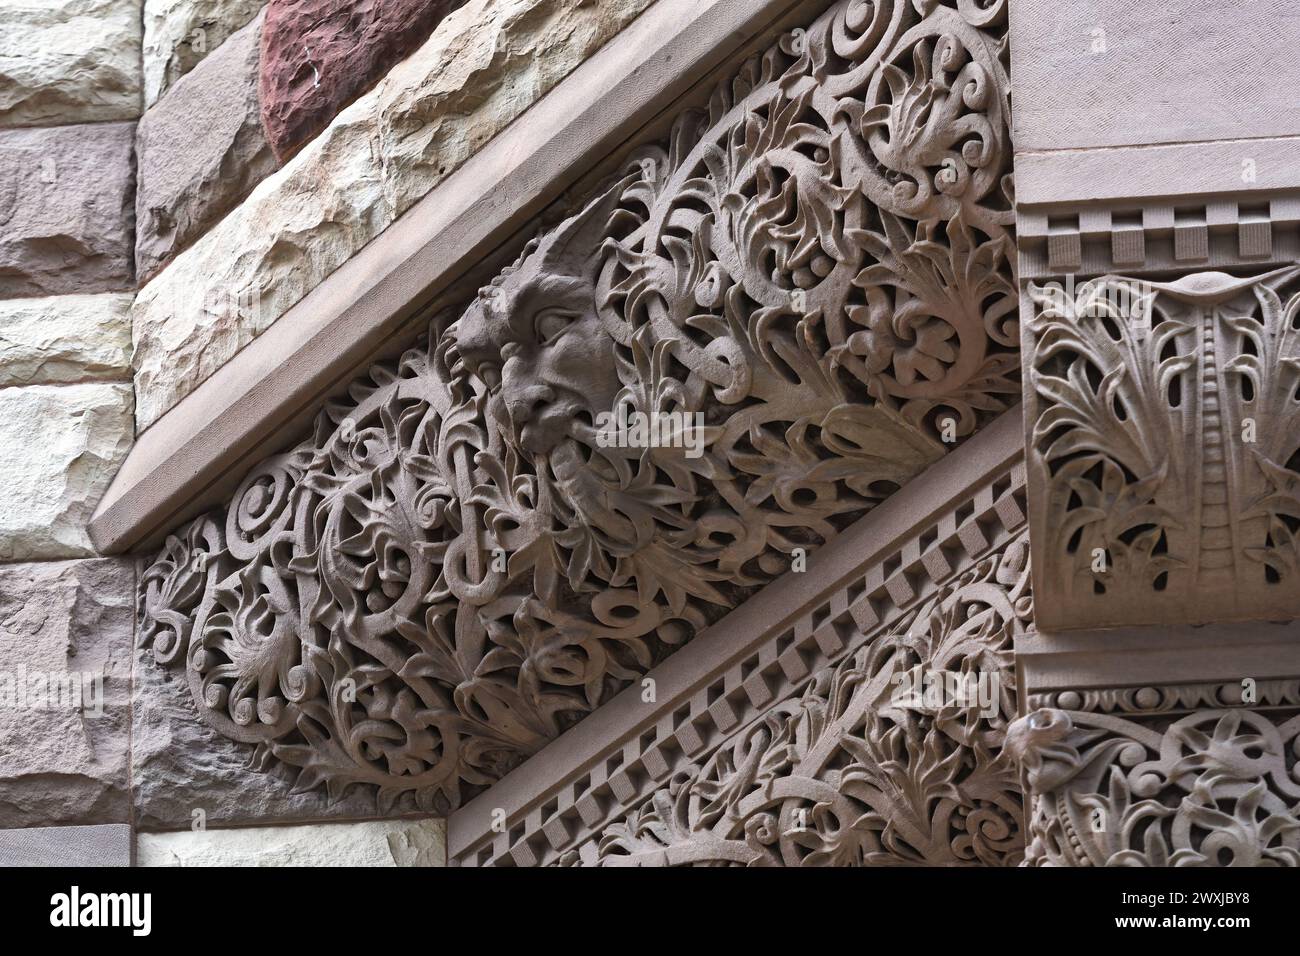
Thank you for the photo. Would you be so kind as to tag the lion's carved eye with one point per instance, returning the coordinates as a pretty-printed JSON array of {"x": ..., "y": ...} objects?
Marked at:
[{"x": 550, "y": 324}]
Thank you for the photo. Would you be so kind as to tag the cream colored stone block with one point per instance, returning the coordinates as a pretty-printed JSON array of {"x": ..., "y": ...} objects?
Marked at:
[
  {"x": 293, "y": 230},
  {"x": 65, "y": 444},
  {"x": 483, "y": 66},
  {"x": 178, "y": 34},
  {"x": 487, "y": 63},
  {"x": 369, "y": 843}
]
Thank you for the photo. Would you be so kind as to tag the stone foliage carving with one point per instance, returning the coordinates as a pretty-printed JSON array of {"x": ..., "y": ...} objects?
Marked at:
[
  {"x": 1164, "y": 449},
  {"x": 810, "y": 282},
  {"x": 852, "y": 773},
  {"x": 1211, "y": 788}
]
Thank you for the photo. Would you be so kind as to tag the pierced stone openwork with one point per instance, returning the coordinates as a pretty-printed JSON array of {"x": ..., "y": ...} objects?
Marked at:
[
  {"x": 853, "y": 773},
  {"x": 1215, "y": 787},
  {"x": 755, "y": 335},
  {"x": 1164, "y": 449}
]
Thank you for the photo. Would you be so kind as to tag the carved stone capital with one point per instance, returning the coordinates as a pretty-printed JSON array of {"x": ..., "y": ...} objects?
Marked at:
[
  {"x": 1146, "y": 746},
  {"x": 1162, "y": 448}
]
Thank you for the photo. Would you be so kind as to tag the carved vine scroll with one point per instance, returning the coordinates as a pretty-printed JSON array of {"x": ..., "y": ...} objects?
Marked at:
[
  {"x": 1215, "y": 787},
  {"x": 809, "y": 286},
  {"x": 854, "y": 774}
]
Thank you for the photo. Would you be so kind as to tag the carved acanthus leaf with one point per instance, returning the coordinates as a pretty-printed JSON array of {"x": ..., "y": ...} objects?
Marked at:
[
  {"x": 1163, "y": 449},
  {"x": 1212, "y": 788}
]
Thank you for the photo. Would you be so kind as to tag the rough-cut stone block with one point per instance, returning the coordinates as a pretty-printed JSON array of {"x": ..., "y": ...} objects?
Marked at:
[
  {"x": 484, "y": 65},
  {"x": 179, "y": 766},
  {"x": 106, "y": 845},
  {"x": 66, "y": 209},
  {"x": 293, "y": 230},
  {"x": 200, "y": 150},
  {"x": 66, "y": 443},
  {"x": 324, "y": 844},
  {"x": 66, "y": 630},
  {"x": 65, "y": 339},
  {"x": 319, "y": 55},
  {"x": 69, "y": 61},
  {"x": 178, "y": 34},
  {"x": 487, "y": 63},
  {"x": 421, "y": 844}
]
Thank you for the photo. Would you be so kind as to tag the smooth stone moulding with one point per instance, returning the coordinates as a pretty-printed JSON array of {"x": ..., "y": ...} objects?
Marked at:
[
  {"x": 66, "y": 630},
  {"x": 67, "y": 209},
  {"x": 200, "y": 151},
  {"x": 179, "y": 34},
  {"x": 368, "y": 843},
  {"x": 319, "y": 55},
  {"x": 105, "y": 845},
  {"x": 65, "y": 339},
  {"x": 69, "y": 61},
  {"x": 66, "y": 442}
]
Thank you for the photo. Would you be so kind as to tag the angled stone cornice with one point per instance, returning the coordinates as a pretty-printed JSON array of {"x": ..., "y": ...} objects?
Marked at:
[
  {"x": 267, "y": 394},
  {"x": 752, "y": 334}
]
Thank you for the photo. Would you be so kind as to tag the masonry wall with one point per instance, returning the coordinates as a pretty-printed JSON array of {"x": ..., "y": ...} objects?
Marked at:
[
  {"x": 70, "y": 96},
  {"x": 174, "y": 175}
]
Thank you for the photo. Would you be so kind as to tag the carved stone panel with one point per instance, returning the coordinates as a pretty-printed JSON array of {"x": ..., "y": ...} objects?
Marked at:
[
  {"x": 864, "y": 768},
  {"x": 759, "y": 332},
  {"x": 1163, "y": 449}
]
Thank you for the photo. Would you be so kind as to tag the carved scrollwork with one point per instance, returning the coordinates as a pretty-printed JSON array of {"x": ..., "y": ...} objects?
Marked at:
[
  {"x": 1163, "y": 449},
  {"x": 853, "y": 773},
  {"x": 796, "y": 300},
  {"x": 1213, "y": 788}
]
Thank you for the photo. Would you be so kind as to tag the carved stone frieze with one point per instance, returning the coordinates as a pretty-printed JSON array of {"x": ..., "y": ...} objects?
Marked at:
[
  {"x": 1215, "y": 787},
  {"x": 803, "y": 294},
  {"x": 1163, "y": 449},
  {"x": 855, "y": 773}
]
